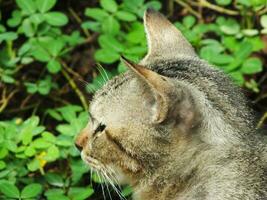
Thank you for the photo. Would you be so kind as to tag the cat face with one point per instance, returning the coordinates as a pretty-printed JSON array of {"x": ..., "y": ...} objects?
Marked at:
[{"x": 141, "y": 120}]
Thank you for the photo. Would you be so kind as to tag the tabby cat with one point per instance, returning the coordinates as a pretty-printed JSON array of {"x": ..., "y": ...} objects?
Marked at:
[{"x": 175, "y": 127}]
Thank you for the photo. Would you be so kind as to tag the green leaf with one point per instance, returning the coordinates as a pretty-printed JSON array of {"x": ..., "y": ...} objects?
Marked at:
[
  {"x": 52, "y": 153},
  {"x": 11, "y": 145},
  {"x": 66, "y": 129},
  {"x": 94, "y": 26},
  {"x": 49, "y": 137},
  {"x": 31, "y": 191},
  {"x": 78, "y": 193},
  {"x": 230, "y": 27},
  {"x": 16, "y": 18},
  {"x": 156, "y": 5},
  {"x": 41, "y": 143},
  {"x": 31, "y": 87},
  {"x": 252, "y": 85},
  {"x": 9, "y": 189},
  {"x": 45, "y": 5},
  {"x": 53, "y": 66},
  {"x": 189, "y": 21},
  {"x": 54, "y": 179},
  {"x": 125, "y": 16},
  {"x": 251, "y": 66},
  {"x": 256, "y": 3},
  {"x": 56, "y": 18},
  {"x": 106, "y": 56},
  {"x": 37, "y": 18},
  {"x": 64, "y": 141},
  {"x": 28, "y": 28},
  {"x": 109, "y": 5},
  {"x": 7, "y": 79},
  {"x": 256, "y": 42},
  {"x": 53, "y": 113},
  {"x": 250, "y": 32},
  {"x": 69, "y": 112},
  {"x": 263, "y": 21},
  {"x": 246, "y": 3},
  {"x": 2, "y": 28},
  {"x": 56, "y": 194},
  {"x": 111, "y": 26},
  {"x": 223, "y": 2},
  {"x": 2, "y": 165},
  {"x": 3, "y": 152},
  {"x": 30, "y": 151},
  {"x": 28, "y": 6},
  {"x": 244, "y": 50},
  {"x": 96, "y": 13},
  {"x": 55, "y": 46},
  {"x": 111, "y": 43},
  {"x": 237, "y": 77},
  {"x": 40, "y": 54},
  {"x": 8, "y": 36},
  {"x": 33, "y": 165}
]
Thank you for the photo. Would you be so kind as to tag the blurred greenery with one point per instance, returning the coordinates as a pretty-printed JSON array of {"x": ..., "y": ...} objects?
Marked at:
[{"x": 55, "y": 55}]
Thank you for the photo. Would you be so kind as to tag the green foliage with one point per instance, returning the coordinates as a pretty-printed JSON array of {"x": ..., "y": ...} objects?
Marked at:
[
  {"x": 231, "y": 49},
  {"x": 42, "y": 43}
]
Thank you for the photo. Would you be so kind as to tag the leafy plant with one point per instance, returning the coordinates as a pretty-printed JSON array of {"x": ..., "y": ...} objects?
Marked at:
[{"x": 46, "y": 46}]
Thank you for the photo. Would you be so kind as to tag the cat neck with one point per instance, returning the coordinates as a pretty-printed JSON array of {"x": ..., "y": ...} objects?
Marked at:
[{"x": 180, "y": 174}]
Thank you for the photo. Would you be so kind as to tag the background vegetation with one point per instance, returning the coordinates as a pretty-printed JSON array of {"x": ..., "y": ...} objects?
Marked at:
[{"x": 54, "y": 54}]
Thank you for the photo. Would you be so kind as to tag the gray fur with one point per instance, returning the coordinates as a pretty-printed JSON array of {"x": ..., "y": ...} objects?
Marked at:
[{"x": 205, "y": 148}]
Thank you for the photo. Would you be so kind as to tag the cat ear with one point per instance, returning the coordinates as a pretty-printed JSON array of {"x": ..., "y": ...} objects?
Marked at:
[
  {"x": 164, "y": 40},
  {"x": 159, "y": 86}
]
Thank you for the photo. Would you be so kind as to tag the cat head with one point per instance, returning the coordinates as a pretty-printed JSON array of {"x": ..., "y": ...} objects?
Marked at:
[{"x": 145, "y": 118}]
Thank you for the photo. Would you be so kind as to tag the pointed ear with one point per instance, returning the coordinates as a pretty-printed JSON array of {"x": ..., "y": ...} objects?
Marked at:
[
  {"x": 164, "y": 40},
  {"x": 158, "y": 85}
]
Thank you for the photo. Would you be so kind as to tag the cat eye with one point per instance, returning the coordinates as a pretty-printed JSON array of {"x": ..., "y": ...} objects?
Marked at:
[{"x": 101, "y": 127}]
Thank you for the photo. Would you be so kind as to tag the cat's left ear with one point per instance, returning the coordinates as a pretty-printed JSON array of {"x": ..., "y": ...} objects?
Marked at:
[
  {"x": 171, "y": 101},
  {"x": 158, "y": 85}
]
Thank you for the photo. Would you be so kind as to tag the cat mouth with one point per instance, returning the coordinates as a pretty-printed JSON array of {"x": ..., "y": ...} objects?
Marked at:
[{"x": 92, "y": 162}]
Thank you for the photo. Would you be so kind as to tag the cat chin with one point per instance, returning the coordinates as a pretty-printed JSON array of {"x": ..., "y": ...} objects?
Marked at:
[{"x": 120, "y": 177}]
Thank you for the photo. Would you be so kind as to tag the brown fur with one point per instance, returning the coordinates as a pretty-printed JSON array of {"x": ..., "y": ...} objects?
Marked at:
[{"x": 175, "y": 128}]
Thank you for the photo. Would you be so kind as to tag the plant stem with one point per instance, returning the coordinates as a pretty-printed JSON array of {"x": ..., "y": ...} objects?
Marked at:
[
  {"x": 5, "y": 99},
  {"x": 188, "y": 7},
  {"x": 79, "y": 21},
  {"x": 262, "y": 119},
  {"x": 219, "y": 9},
  {"x": 74, "y": 86}
]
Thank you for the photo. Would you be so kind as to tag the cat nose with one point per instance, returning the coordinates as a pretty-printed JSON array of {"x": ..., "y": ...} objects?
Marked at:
[
  {"x": 80, "y": 148},
  {"x": 81, "y": 140}
]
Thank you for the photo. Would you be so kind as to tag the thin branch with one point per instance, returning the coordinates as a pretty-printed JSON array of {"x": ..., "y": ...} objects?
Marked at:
[
  {"x": 79, "y": 21},
  {"x": 74, "y": 86},
  {"x": 5, "y": 99},
  {"x": 263, "y": 11},
  {"x": 188, "y": 7},
  {"x": 216, "y": 8},
  {"x": 263, "y": 118}
]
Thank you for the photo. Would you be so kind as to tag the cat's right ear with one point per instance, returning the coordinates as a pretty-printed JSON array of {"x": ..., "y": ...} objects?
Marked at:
[{"x": 164, "y": 40}]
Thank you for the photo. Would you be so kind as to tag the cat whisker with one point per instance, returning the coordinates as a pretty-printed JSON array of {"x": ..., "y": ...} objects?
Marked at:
[
  {"x": 107, "y": 186},
  {"x": 91, "y": 175},
  {"x": 114, "y": 186},
  {"x": 100, "y": 69},
  {"x": 103, "y": 191},
  {"x": 111, "y": 172}
]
